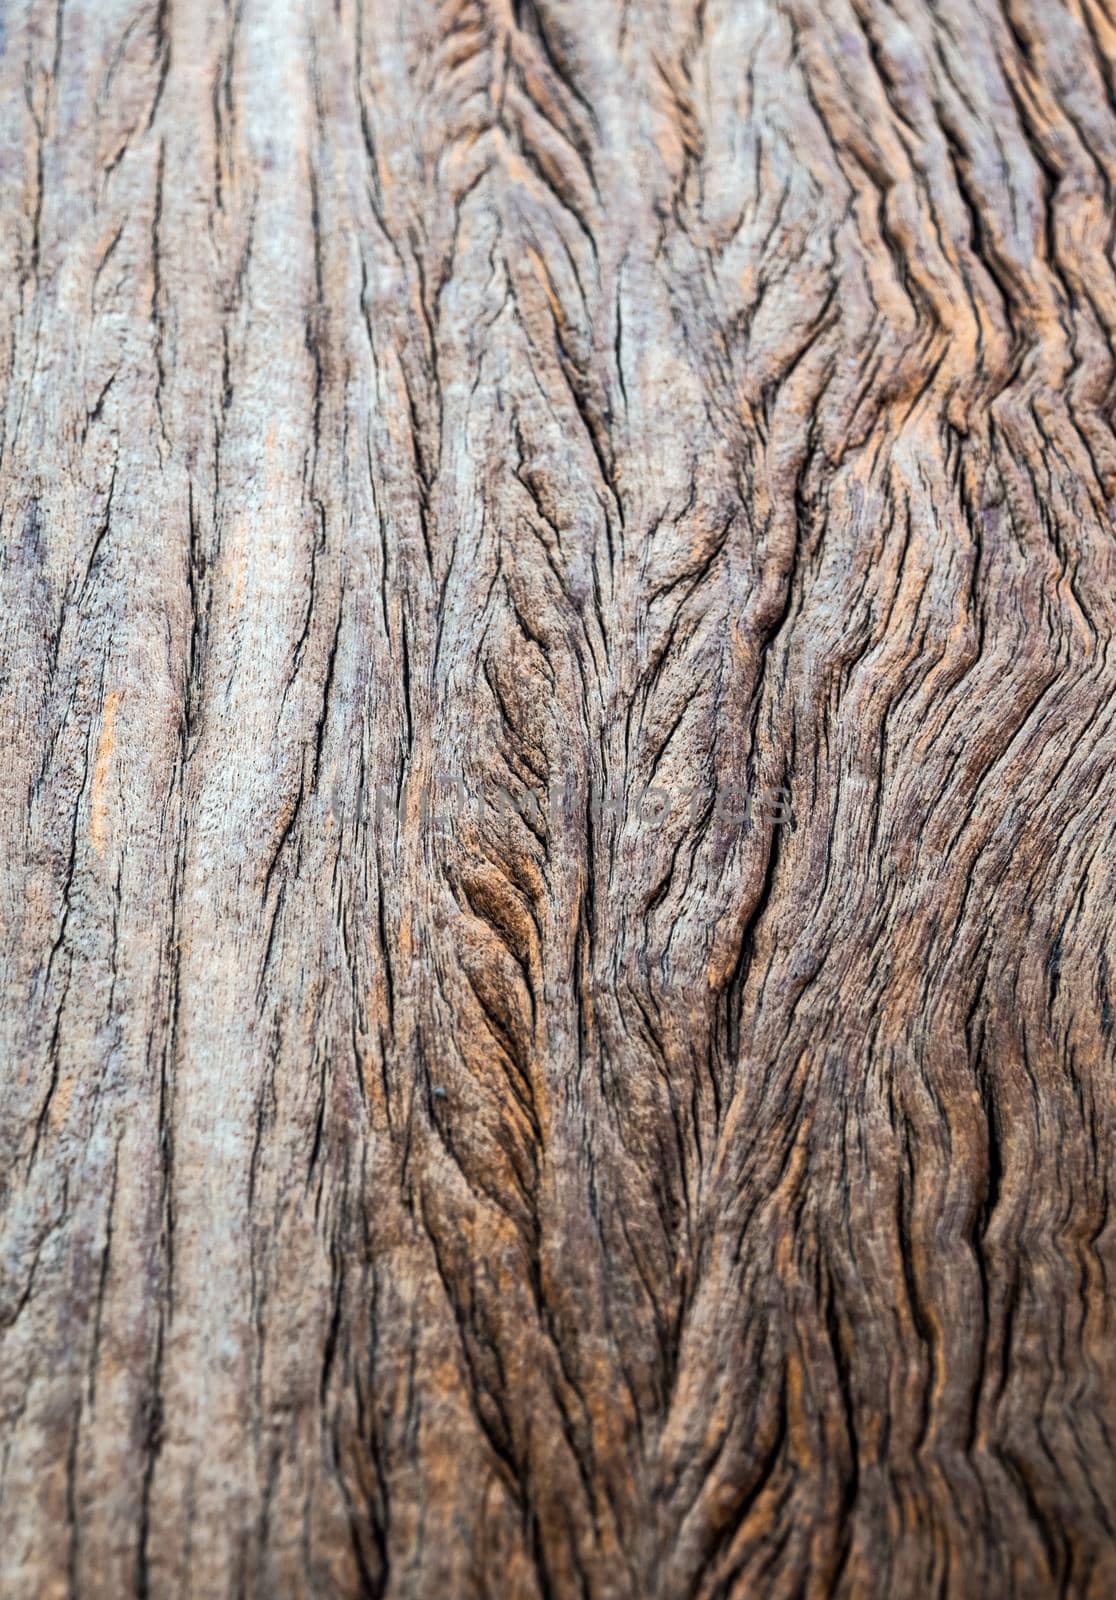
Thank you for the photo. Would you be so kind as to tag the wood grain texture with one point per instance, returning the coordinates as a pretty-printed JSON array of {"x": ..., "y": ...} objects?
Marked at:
[{"x": 558, "y": 861}]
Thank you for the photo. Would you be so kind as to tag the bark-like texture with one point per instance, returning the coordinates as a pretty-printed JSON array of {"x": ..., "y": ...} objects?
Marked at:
[{"x": 460, "y": 461}]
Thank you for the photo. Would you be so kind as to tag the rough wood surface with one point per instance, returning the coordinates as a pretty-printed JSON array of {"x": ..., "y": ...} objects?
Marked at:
[{"x": 558, "y": 858}]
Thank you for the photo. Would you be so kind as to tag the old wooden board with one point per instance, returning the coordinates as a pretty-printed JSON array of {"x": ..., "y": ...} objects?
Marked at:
[{"x": 558, "y": 860}]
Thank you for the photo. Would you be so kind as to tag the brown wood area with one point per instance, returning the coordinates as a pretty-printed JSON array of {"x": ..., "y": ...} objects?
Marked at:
[{"x": 557, "y": 799}]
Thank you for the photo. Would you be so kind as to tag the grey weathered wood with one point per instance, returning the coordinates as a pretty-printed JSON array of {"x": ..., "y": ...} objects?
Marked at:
[{"x": 465, "y": 470}]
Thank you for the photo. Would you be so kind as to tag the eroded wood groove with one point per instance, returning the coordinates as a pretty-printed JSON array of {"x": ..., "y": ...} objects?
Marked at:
[{"x": 558, "y": 586}]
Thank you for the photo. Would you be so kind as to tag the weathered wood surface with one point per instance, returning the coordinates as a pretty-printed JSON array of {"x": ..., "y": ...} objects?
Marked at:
[{"x": 460, "y": 462}]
